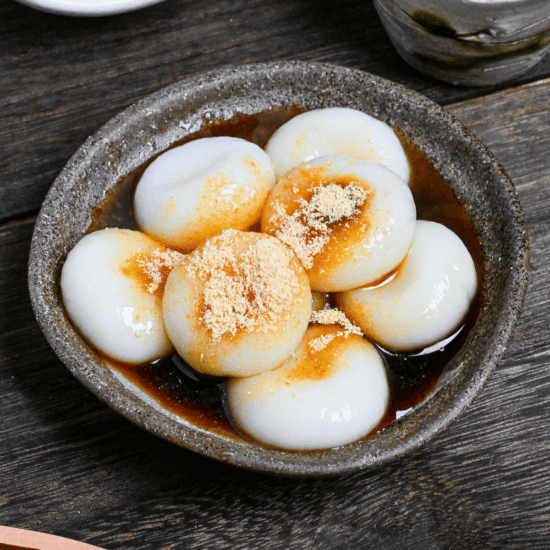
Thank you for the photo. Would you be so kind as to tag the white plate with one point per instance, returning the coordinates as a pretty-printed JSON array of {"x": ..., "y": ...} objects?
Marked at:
[{"x": 88, "y": 8}]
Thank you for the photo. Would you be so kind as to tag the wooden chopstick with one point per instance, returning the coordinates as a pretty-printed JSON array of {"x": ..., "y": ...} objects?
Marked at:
[{"x": 20, "y": 539}]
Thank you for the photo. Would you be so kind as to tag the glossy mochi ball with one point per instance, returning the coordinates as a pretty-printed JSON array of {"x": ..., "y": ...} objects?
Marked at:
[
  {"x": 349, "y": 221},
  {"x": 195, "y": 191},
  {"x": 426, "y": 300},
  {"x": 238, "y": 305},
  {"x": 112, "y": 285},
  {"x": 318, "y": 398},
  {"x": 336, "y": 131}
]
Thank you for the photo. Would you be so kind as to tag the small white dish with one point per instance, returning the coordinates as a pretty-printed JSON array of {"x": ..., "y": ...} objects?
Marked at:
[{"x": 88, "y": 8}]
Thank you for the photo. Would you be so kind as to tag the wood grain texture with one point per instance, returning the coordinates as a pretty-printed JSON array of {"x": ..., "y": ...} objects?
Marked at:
[
  {"x": 62, "y": 78},
  {"x": 72, "y": 467}
]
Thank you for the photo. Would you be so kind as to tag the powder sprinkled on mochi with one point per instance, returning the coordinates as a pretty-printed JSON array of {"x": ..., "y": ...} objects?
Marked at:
[
  {"x": 321, "y": 342},
  {"x": 246, "y": 291},
  {"x": 307, "y": 230},
  {"x": 157, "y": 265},
  {"x": 331, "y": 316}
]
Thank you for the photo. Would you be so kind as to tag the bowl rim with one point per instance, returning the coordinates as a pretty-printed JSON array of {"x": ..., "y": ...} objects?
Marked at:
[{"x": 475, "y": 362}]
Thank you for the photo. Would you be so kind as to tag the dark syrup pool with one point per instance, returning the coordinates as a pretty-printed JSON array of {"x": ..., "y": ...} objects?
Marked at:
[{"x": 413, "y": 376}]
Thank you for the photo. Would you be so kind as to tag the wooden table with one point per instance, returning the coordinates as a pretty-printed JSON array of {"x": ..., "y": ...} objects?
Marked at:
[{"x": 70, "y": 466}]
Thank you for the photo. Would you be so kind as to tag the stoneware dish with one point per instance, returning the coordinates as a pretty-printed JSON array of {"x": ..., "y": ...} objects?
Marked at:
[
  {"x": 470, "y": 42},
  {"x": 152, "y": 125}
]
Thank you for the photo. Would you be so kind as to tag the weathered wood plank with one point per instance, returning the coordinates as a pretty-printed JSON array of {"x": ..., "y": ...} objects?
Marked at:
[
  {"x": 72, "y": 467},
  {"x": 515, "y": 125},
  {"x": 61, "y": 78}
]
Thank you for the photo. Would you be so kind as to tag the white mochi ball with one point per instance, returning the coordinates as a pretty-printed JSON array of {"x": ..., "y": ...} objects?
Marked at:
[
  {"x": 315, "y": 399},
  {"x": 237, "y": 305},
  {"x": 349, "y": 221},
  {"x": 111, "y": 284},
  {"x": 426, "y": 300},
  {"x": 336, "y": 131},
  {"x": 195, "y": 191}
]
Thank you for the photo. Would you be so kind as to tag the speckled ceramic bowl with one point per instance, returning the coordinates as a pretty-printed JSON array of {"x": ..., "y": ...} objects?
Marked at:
[{"x": 147, "y": 128}]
